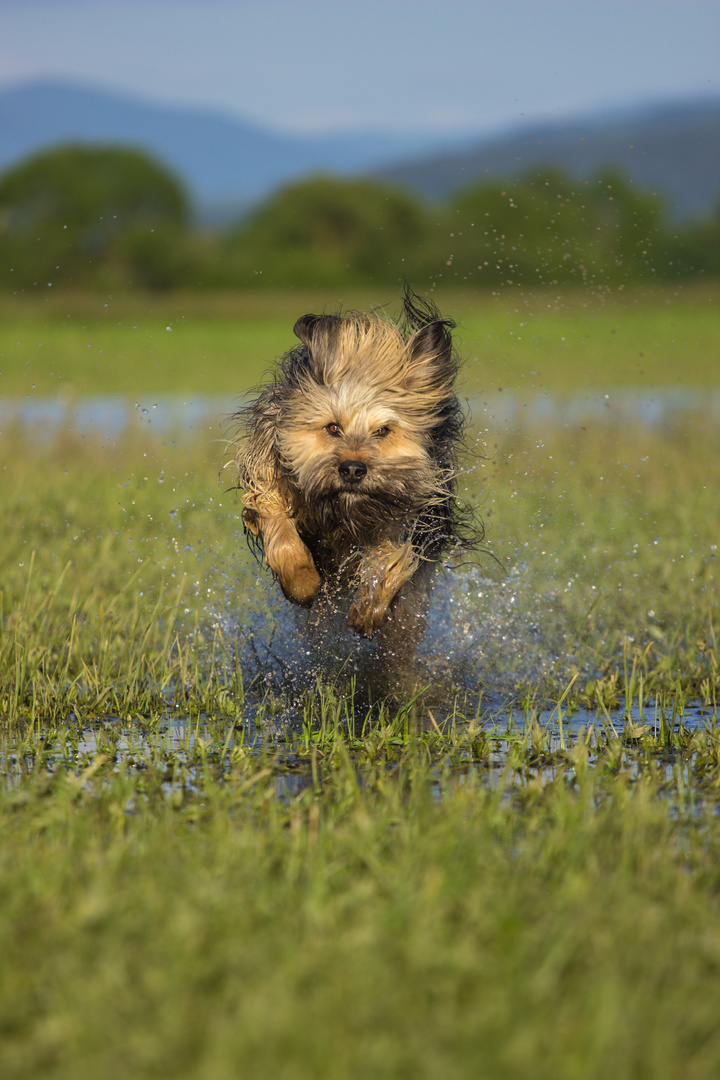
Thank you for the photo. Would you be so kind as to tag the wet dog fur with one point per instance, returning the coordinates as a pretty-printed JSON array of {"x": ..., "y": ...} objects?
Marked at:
[{"x": 348, "y": 461}]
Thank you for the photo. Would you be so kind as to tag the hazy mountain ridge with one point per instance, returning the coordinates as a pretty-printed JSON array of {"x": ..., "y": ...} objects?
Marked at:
[
  {"x": 671, "y": 148},
  {"x": 228, "y": 163}
]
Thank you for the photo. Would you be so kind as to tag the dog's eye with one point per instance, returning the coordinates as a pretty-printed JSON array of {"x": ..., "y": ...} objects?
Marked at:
[
  {"x": 333, "y": 429},
  {"x": 382, "y": 432}
]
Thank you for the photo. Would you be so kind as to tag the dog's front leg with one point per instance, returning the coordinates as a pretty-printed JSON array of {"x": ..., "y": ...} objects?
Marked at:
[
  {"x": 289, "y": 558},
  {"x": 382, "y": 573}
]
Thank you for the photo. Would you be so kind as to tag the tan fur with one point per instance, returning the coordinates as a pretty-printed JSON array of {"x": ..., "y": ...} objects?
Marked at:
[{"x": 348, "y": 464}]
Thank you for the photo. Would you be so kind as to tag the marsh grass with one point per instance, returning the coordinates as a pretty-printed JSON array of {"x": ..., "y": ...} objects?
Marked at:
[{"x": 512, "y": 870}]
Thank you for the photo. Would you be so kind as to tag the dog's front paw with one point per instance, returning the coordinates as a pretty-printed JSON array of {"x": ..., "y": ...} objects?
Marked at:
[
  {"x": 381, "y": 578},
  {"x": 367, "y": 612},
  {"x": 302, "y": 585},
  {"x": 290, "y": 560}
]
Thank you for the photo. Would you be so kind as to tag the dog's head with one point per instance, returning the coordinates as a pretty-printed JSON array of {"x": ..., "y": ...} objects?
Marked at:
[{"x": 369, "y": 414}]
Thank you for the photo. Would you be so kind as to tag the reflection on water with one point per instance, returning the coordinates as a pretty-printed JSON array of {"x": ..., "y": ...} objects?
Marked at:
[
  {"x": 519, "y": 745},
  {"x": 112, "y": 416},
  {"x": 648, "y": 408},
  {"x": 115, "y": 415}
]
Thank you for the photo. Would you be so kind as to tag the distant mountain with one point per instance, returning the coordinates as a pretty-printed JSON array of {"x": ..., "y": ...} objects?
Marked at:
[
  {"x": 228, "y": 164},
  {"x": 224, "y": 162},
  {"x": 671, "y": 148}
]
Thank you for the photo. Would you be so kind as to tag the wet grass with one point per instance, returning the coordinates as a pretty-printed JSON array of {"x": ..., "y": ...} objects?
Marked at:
[
  {"x": 214, "y": 862},
  {"x": 381, "y": 910}
]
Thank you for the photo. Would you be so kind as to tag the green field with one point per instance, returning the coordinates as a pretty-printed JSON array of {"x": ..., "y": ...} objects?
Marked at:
[
  {"x": 541, "y": 341},
  {"x": 513, "y": 874}
]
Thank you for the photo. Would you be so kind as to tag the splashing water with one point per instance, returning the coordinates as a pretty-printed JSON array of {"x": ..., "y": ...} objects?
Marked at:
[{"x": 481, "y": 637}]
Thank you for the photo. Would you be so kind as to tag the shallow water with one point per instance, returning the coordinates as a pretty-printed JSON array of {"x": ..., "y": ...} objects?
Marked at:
[
  {"x": 180, "y": 752},
  {"x": 114, "y": 416}
]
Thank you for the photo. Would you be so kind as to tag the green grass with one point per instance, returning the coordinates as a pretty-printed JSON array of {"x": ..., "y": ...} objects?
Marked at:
[
  {"x": 389, "y": 919},
  {"x": 514, "y": 341},
  {"x": 146, "y": 356},
  {"x": 202, "y": 879},
  {"x": 566, "y": 344}
]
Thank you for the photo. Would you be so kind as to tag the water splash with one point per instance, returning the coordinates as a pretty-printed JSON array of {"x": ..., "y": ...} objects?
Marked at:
[{"x": 482, "y": 636}]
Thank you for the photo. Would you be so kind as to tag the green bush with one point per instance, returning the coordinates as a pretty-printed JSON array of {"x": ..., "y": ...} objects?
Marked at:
[
  {"x": 80, "y": 215},
  {"x": 327, "y": 230}
]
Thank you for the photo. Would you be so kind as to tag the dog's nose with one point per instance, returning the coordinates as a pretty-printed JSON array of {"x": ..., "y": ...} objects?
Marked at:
[{"x": 352, "y": 471}]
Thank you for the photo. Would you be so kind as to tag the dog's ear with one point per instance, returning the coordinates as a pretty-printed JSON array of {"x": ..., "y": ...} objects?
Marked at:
[
  {"x": 318, "y": 333},
  {"x": 431, "y": 356},
  {"x": 312, "y": 326},
  {"x": 303, "y": 328}
]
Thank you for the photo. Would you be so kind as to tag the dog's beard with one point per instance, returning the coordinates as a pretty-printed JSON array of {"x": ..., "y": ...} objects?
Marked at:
[{"x": 366, "y": 508}]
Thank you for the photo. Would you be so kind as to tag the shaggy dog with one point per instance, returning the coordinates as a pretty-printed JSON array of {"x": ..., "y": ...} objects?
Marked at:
[{"x": 348, "y": 463}]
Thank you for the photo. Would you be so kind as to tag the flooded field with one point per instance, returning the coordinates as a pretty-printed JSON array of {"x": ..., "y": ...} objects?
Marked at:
[
  {"x": 489, "y": 694},
  {"x": 506, "y": 648},
  {"x": 235, "y": 832}
]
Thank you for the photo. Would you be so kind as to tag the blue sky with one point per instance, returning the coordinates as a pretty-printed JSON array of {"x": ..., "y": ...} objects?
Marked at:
[{"x": 451, "y": 66}]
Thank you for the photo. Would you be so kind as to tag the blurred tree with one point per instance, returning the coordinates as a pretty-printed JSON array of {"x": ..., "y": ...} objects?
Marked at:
[
  {"x": 114, "y": 217},
  {"x": 549, "y": 228},
  {"x": 628, "y": 229},
  {"x": 695, "y": 250},
  {"x": 77, "y": 215},
  {"x": 325, "y": 231}
]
